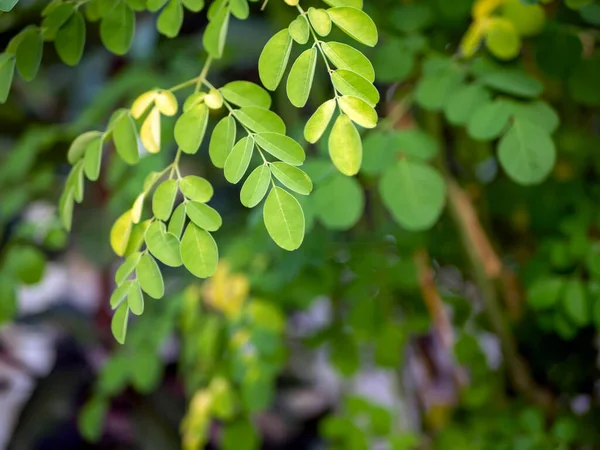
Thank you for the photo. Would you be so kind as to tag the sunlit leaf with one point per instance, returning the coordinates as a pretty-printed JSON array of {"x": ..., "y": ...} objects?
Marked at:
[
  {"x": 345, "y": 146},
  {"x": 255, "y": 187},
  {"x": 300, "y": 79},
  {"x": 238, "y": 160},
  {"x": 149, "y": 277},
  {"x": 199, "y": 252},
  {"x": 274, "y": 59},
  {"x": 284, "y": 219}
]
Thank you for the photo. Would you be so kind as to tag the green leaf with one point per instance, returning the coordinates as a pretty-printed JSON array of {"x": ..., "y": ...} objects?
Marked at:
[
  {"x": 245, "y": 93},
  {"x": 26, "y": 263},
  {"x": 240, "y": 435},
  {"x": 274, "y": 59},
  {"x": 170, "y": 19},
  {"x": 120, "y": 233},
  {"x": 358, "y": 111},
  {"x": 70, "y": 40},
  {"x": 300, "y": 79},
  {"x": 320, "y": 20},
  {"x": 75, "y": 181},
  {"x": 415, "y": 142},
  {"x": 434, "y": 89},
  {"x": 119, "y": 321},
  {"x": 127, "y": 268},
  {"x": 126, "y": 139},
  {"x": 394, "y": 60},
  {"x": 489, "y": 121},
  {"x": 78, "y": 146},
  {"x": 164, "y": 246},
  {"x": 350, "y": 83},
  {"x": 239, "y": 9},
  {"x": 221, "y": 141},
  {"x": 216, "y": 33},
  {"x": 136, "y": 237},
  {"x": 194, "y": 5},
  {"x": 92, "y": 159},
  {"x": 462, "y": 104},
  {"x": 117, "y": 28},
  {"x": 346, "y": 57},
  {"x": 196, "y": 188},
  {"x": 332, "y": 211},
  {"x": 7, "y": 5},
  {"x": 380, "y": 151},
  {"x": 149, "y": 276},
  {"x": 238, "y": 160},
  {"x": 119, "y": 294},
  {"x": 545, "y": 292},
  {"x": 281, "y": 147},
  {"x": 513, "y": 82},
  {"x": 7, "y": 70},
  {"x": 56, "y": 19},
  {"x": 164, "y": 199},
  {"x": 90, "y": 420},
  {"x": 539, "y": 113},
  {"x": 319, "y": 121},
  {"x": 177, "y": 221},
  {"x": 353, "y": 3},
  {"x": 135, "y": 299},
  {"x": 65, "y": 208},
  {"x": 300, "y": 29},
  {"x": 345, "y": 146},
  {"x": 190, "y": 128},
  {"x": 199, "y": 252},
  {"x": 355, "y": 23},
  {"x": 414, "y": 193},
  {"x": 284, "y": 219},
  {"x": 576, "y": 303},
  {"x": 260, "y": 120},
  {"x": 29, "y": 54},
  {"x": 292, "y": 177},
  {"x": 256, "y": 186},
  {"x": 203, "y": 216},
  {"x": 526, "y": 152}
]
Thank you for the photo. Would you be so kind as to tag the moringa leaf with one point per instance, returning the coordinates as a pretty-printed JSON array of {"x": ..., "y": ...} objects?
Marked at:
[
  {"x": 256, "y": 186},
  {"x": 281, "y": 147},
  {"x": 163, "y": 245},
  {"x": 292, "y": 177},
  {"x": 319, "y": 121},
  {"x": 284, "y": 219},
  {"x": 203, "y": 216},
  {"x": 190, "y": 128},
  {"x": 196, "y": 188},
  {"x": 355, "y": 23},
  {"x": 245, "y": 93},
  {"x": 164, "y": 199},
  {"x": 221, "y": 141},
  {"x": 345, "y": 146},
  {"x": 238, "y": 160},
  {"x": 300, "y": 79},
  {"x": 260, "y": 120},
  {"x": 149, "y": 277},
  {"x": 274, "y": 59},
  {"x": 346, "y": 57},
  {"x": 199, "y": 252}
]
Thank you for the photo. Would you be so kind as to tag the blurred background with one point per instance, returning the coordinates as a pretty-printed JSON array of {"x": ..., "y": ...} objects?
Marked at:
[{"x": 479, "y": 333}]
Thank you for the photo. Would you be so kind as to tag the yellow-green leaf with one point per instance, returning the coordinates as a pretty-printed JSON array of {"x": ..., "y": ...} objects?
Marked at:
[
  {"x": 350, "y": 83},
  {"x": 355, "y": 23},
  {"x": 292, "y": 177},
  {"x": 92, "y": 159},
  {"x": 196, "y": 188},
  {"x": 358, "y": 111},
  {"x": 117, "y": 28},
  {"x": 166, "y": 102},
  {"x": 238, "y": 160},
  {"x": 79, "y": 145},
  {"x": 260, "y": 120},
  {"x": 345, "y": 146},
  {"x": 149, "y": 276},
  {"x": 120, "y": 233},
  {"x": 320, "y": 20},
  {"x": 284, "y": 219},
  {"x": 274, "y": 59},
  {"x": 150, "y": 132},
  {"x": 163, "y": 245},
  {"x": 318, "y": 122},
  {"x": 346, "y": 57},
  {"x": 203, "y": 216},
  {"x": 239, "y": 9},
  {"x": 135, "y": 299},
  {"x": 170, "y": 19},
  {"x": 255, "y": 187},
  {"x": 216, "y": 33},
  {"x": 300, "y": 79},
  {"x": 190, "y": 128},
  {"x": 126, "y": 139},
  {"x": 281, "y": 147},
  {"x": 118, "y": 324},
  {"x": 163, "y": 199},
  {"x": 127, "y": 268},
  {"x": 245, "y": 93},
  {"x": 221, "y": 141},
  {"x": 300, "y": 29},
  {"x": 177, "y": 221},
  {"x": 199, "y": 252}
]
